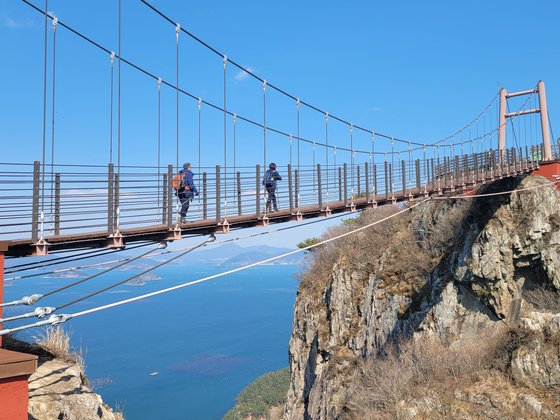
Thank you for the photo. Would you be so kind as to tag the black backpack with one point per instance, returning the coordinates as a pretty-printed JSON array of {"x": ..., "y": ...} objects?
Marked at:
[{"x": 269, "y": 179}]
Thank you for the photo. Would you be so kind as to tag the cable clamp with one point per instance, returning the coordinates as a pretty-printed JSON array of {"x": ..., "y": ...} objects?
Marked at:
[
  {"x": 351, "y": 127},
  {"x": 372, "y": 135},
  {"x": 211, "y": 238},
  {"x": 290, "y": 139},
  {"x": 234, "y": 118},
  {"x": 31, "y": 300},
  {"x": 57, "y": 319},
  {"x": 54, "y": 23},
  {"x": 162, "y": 245},
  {"x": 326, "y": 116},
  {"x": 43, "y": 311},
  {"x": 177, "y": 29},
  {"x": 199, "y": 103},
  {"x": 112, "y": 57},
  {"x": 225, "y": 61},
  {"x": 298, "y": 102},
  {"x": 159, "y": 83},
  {"x": 264, "y": 85}
]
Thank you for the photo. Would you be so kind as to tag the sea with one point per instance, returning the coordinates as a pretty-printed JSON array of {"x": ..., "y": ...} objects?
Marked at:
[{"x": 180, "y": 355}]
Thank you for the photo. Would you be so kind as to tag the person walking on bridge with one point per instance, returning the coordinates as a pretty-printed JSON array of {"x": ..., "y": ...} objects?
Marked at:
[
  {"x": 185, "y": 190},
  {"x": 269, "y": 182}
]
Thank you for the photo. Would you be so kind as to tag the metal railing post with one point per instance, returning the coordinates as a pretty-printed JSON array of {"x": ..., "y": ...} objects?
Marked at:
[
  {"x": 116, "y": 217},
  {"x": 57, "y": 204},
  {"x": 204, "y": 196},
  {"x": 457, "y": 169},
  {"x": 110, "y": 198},
  {"x": 169, "y": 192},
  {"x": 290, "y": 189},
  {"x": 218, "y": 196},
  {"x": 374, "y": 182},
  {"x": 366, "y": 175},
  {"x": 296, "y": 195},
  {"x": 164, "y": 202},
  {"x": 239, "y": 203},
  {"x": 386, "y": 180},
  {"x": 403, "y": 169},
  {"x": 258, "y": 190},
  {"x": 418, "y": 181},
  {"x": 339, "y": 183},
  {"x": 345, "y": 166},
  {"x": 35, "y": 204},
  {"x": 358, "y": 179},
  {"x": 319, "y": 187}
]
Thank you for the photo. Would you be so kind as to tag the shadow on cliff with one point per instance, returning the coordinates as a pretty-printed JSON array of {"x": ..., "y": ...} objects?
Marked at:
[{"x": 479, "y": 213}]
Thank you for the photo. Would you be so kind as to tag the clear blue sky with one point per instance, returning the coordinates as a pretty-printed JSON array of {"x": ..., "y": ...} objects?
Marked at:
[{"x": 415, "y": 70}]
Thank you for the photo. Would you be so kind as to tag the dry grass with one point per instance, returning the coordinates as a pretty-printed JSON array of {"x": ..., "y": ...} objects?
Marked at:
[
  {"x": 543, "y": 299},
  {"x": 410, "y": 370},
  {"x": 56, "y": 341}
]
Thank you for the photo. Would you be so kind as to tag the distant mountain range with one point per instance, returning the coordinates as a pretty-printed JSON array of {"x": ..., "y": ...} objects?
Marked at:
[{"x": 232, "y": 254}]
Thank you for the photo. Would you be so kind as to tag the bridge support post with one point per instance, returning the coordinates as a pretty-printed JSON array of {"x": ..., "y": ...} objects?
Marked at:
[
  {"x": 502, "y": 122},
  {"x": 296, "y": 187},
  {"x": 403, "y": 168},
  {"x": 366, "y": 175},
  {"x": 57, "y": 204},
  {"x": 290, "y": 189},
  {"x": 110, "y": 198},
  {"x": 319, "y": 188},
  {"x": 358, "y": 180},
  {"x": 218, "y": 197},
  {"x": 339, "y": 183},
  {"x": 239, "y": 204},
  {"x": 164, "y": 200},
  {"x": 169, "y": 193},
  {"x": 258, "y": 191},
  {"x": 374, "y": 201},
  {"x": 204, "y": 196},
  {"x": 35, "y": 205},
  {"x": 345, "y": 166},
  {"x": 547, "y": 149}
]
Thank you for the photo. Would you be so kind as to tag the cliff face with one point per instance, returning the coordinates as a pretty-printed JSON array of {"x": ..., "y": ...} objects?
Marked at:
[
  {"x": 448, "y": 269},
  {"x": 57, "y": 390}
]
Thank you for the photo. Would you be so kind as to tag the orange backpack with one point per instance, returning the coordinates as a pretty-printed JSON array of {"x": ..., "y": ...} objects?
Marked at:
[{"x": 178, "y": 182}]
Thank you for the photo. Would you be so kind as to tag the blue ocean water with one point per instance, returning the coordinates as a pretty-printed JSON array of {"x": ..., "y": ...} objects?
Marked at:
[{"x": 206, "y": 342}]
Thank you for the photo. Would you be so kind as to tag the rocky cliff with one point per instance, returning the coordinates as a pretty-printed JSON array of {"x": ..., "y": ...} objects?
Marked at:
[
  {"x": 474, "y": 281},
  {"x": 59, "y": 389}
]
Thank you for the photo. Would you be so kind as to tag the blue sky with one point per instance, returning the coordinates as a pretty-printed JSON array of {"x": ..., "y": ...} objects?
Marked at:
[{"x": 415, "y": 70}]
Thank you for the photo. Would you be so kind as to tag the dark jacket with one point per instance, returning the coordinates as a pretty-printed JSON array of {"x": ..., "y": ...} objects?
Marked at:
[
  {"x": 189, "y": 182},
  {"x": 273, "y": 175}
]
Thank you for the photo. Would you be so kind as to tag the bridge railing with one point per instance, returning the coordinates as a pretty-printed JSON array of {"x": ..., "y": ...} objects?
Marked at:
[{"x": 39, "y": 201}]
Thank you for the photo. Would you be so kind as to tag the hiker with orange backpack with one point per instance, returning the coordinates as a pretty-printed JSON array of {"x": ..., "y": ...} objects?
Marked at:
[{"x": 183, "y": 184}]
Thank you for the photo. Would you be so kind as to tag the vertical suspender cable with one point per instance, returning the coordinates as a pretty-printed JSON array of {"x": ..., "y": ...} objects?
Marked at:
[
  {"x": 177, "y": 30},
  {"x": 234, "y": 143},
  {"x": 159, "y": 140},
  {"x": 199, "y": 146},
  {"x": 119, "y": 99},
  {"x": 327, "y": 151},
  {"x": 298, "y": 161},
  {"x": 111, "y": 109},
  {"x": 352, "y": 157},
  {"x": 44, "y": 117},
  {"x": 372, "y": 162},
  {"x": 264, "y": 141},
  {"x": 225, "y": 136},
  {"x": 54, "y": 23}
]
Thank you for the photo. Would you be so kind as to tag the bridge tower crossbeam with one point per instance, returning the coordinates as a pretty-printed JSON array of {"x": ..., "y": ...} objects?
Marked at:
[{"x": 542, "y": 110}]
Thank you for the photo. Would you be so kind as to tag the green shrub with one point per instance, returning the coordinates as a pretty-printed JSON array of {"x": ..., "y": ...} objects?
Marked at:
[{"x": 256, "y": 399}]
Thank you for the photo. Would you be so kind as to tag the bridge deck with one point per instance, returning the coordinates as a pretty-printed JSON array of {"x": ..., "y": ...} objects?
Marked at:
[{"x": 160, "y": 232}]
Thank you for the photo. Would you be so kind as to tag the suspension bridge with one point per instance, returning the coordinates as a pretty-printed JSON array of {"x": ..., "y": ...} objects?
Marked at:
[{"x": 340, "y": 166}]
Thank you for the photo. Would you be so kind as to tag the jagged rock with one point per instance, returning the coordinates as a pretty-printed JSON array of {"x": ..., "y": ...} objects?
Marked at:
[
  {"x": 536, "y": 364},
  {"x": 57, "y": 391},
  {"x": 531, "y": 404}
]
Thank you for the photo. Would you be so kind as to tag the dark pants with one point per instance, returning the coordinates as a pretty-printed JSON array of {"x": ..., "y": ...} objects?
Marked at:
[
  {"x": 271, "y": 199},
  {"x": 185, "y": 198}
]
